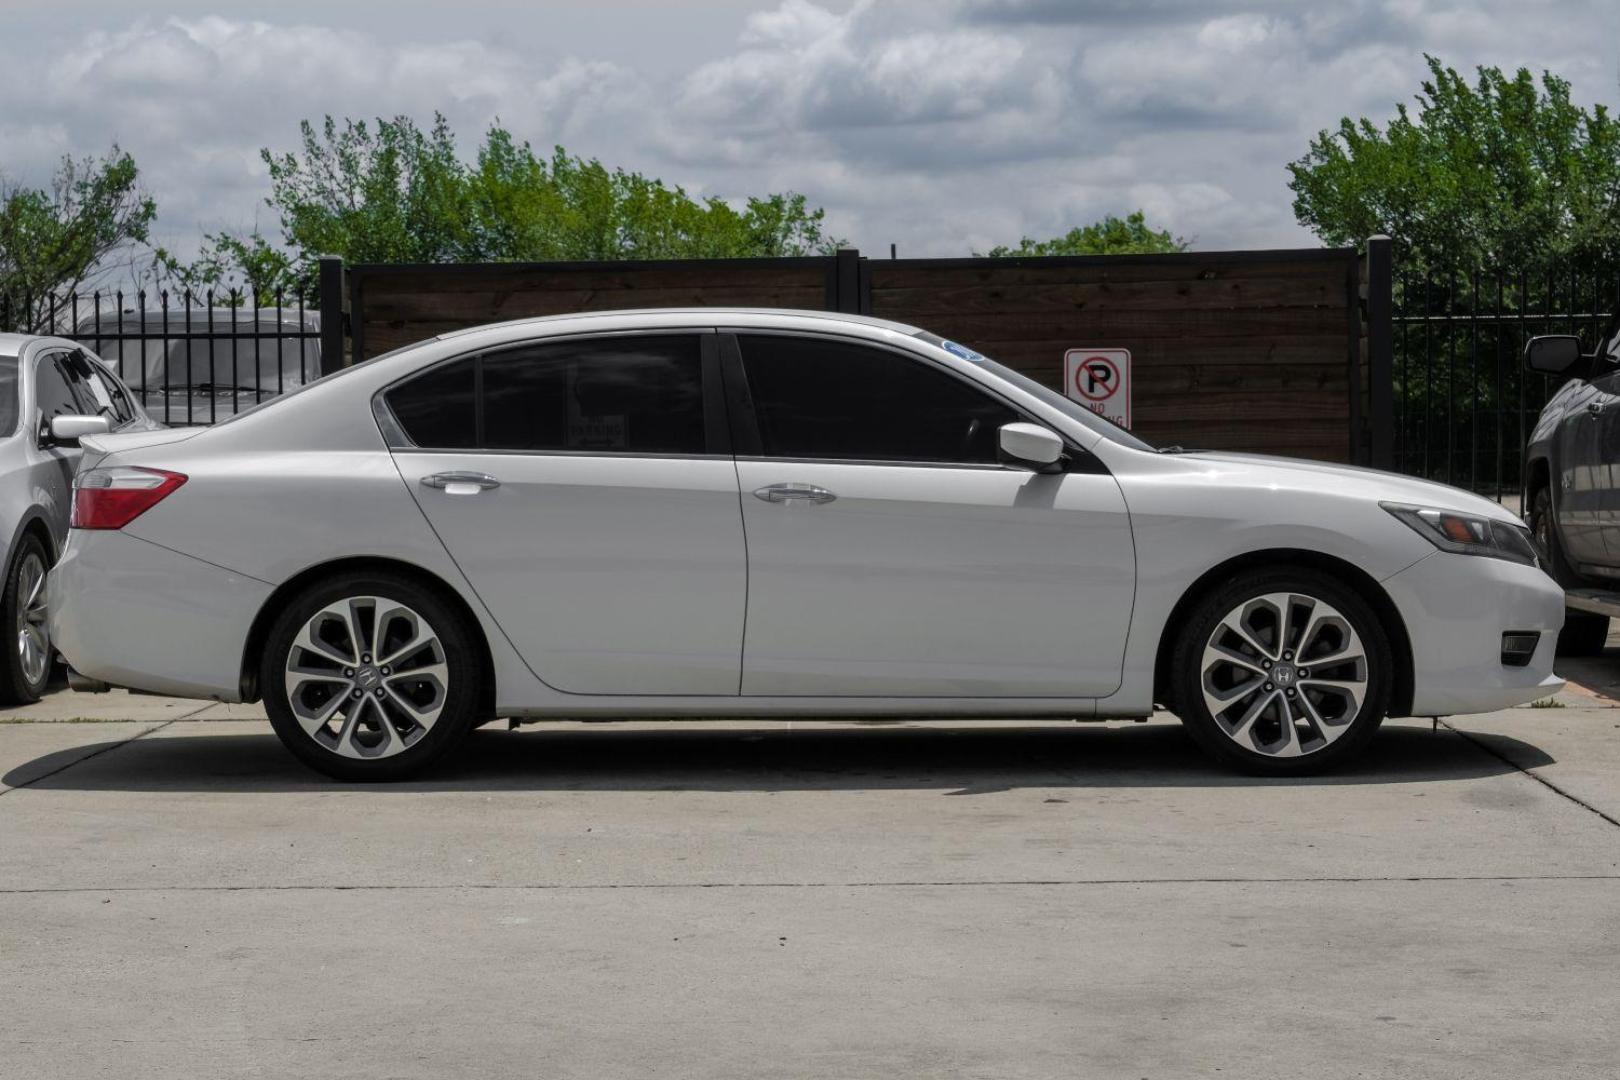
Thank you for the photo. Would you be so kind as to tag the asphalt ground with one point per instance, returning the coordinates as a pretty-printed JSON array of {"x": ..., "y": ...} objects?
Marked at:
[{"x": 179, "y": 898}]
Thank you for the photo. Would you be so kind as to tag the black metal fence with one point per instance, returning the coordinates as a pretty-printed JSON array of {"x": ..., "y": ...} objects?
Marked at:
[
  {"x": 1458, "y": 402},
  {"x": 194, "y": 358}
]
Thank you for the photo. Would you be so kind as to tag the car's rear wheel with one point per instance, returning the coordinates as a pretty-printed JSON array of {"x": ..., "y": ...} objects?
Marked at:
[
  {"x": 370, "y": 677},
  {"x": 1584, "y": 634},
  {"x": 1282, "y": 672},
  {"x": 26, "y": 667}
]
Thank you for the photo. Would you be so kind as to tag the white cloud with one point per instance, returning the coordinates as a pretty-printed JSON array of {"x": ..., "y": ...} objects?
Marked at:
[{"x": 945, "y": 125}]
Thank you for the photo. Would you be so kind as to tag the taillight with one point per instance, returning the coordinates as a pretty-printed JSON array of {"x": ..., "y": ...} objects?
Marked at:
[{"x": 112, "y": 498}]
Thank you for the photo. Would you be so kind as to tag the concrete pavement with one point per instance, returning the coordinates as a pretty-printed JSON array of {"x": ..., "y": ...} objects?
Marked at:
[{"x": 179, "y": 898}]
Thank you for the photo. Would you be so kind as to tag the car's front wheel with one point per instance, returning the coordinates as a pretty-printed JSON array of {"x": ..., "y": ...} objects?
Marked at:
[
  {"x": 1584, "y": 634},
  {"x": 1283, "y": 672},
  {"x": 26, "y": 666},
  {"x": 370, "y": 677}
]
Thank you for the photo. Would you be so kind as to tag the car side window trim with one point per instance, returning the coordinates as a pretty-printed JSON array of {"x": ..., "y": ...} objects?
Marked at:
[
  {"x": 717, "y": 440},
  {"x": 744, "y": 419}
]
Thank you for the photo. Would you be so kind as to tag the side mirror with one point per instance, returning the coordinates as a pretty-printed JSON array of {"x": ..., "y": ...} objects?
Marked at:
[
  {"x": 1555, "y": 354},
  {"x": 68, "y": 430},
  {"x": 1030, "y": 444}
]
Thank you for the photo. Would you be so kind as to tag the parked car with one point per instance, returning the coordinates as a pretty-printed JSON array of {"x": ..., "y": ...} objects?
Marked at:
[
  {"x": 775, "y": 514},
  {"x": 1572, "y": 481},
  {"x": 200, "y": 365},
  {"x": 51, "y": 393}
]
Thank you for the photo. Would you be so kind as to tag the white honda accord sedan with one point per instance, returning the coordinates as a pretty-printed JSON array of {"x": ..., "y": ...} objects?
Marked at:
[{"x": 773, "y": 514}]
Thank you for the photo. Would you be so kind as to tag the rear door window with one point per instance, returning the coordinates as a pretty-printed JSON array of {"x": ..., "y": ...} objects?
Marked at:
[
  {"x": 640, "y": 394},
  {"x": 635, "y": 394},
  {"x": 437, "y": 408}
]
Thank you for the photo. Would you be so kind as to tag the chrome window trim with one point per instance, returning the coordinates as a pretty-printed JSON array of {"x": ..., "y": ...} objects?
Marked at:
[
  {"x": 907, "y": 463},
  {"x": 606, "y": 455}
]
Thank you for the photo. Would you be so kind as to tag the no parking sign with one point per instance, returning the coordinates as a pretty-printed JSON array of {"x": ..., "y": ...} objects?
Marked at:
[{"x": 1100, "y": 379}]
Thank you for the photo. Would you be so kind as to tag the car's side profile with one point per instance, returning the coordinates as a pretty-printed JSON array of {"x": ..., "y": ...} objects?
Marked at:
[
  {"x": 51, "y": 392},
  {"x": 734, "y": 512},
  {"x": 1571, "y": 474}
]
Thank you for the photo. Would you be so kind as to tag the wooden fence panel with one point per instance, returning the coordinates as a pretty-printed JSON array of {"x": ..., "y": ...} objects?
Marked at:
[
  {"x": 1256, "y": 351},
  {"x": 397, "y": 305},
  {"x": 1253, "y": 351}
]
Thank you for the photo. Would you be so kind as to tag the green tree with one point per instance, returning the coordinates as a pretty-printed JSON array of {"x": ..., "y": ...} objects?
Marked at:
[
  {"x": 388, "y": 192},
  {"x": 236, "y": 270},
  {"x": 1112, "y": 235},
  {"x": 58, "y": 239},
  {"x": 1501, "y": 172},
  {"x": 391, "y": 192}
]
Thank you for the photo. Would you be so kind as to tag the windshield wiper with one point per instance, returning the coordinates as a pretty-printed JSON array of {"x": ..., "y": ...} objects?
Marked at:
[{"x": 210, "y": 387}]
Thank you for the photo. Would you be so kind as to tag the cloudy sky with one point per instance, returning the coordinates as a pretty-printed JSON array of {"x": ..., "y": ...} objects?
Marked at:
[{"x": 941, "y": 125}]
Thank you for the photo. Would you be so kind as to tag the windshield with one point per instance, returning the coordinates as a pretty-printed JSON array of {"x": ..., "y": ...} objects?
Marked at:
[{"x": 1072, "y": 409}]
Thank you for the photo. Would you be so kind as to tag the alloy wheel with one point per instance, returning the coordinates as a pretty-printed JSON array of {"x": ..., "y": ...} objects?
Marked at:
[
  {"x": 1541, "y": 521},
  {"x": 1284, "y": 674},
  {"x": 366, "y": 677},
  {"x": 33, "y": 632}
]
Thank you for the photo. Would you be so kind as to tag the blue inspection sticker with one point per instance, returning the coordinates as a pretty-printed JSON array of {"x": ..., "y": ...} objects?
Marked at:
[{"x": 961, "y": 350}]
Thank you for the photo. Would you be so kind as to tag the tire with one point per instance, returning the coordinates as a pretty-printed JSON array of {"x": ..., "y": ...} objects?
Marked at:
[
  {"x": 1584, "y": 634},
  {"x": 1541, "y": 525},
  {"x": 410, "y": 711},
  {"x": 1235, "y": 661},
  {"x": 26, "y": 667}
]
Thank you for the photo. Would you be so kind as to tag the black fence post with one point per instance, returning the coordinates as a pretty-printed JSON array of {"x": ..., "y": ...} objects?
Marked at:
[
  {"x": 1381, "y": 351},
  {"x": 333, "y": 295},
  {"x": 847, "y": 281}
]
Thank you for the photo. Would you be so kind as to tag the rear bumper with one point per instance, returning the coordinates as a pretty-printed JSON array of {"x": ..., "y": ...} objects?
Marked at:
[
  {"x": 1456, "y": 609},
  {"x": 135, "y": 614}
]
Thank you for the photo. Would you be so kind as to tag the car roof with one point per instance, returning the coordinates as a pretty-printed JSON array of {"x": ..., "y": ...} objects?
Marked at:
[
  {"x": 687, "y": 316},
  {"x": 12, "y": 345}
]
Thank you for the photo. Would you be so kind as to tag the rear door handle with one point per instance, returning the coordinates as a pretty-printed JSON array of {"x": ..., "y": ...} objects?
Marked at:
[
  {"x": 461, "y": 483},
  {"x": 781, "y": 493}
]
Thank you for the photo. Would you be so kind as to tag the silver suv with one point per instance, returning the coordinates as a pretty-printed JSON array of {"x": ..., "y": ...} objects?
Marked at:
[{"x": 1572, "y": 482}]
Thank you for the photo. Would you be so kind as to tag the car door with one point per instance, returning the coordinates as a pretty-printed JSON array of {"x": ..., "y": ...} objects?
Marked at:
[
  {"x": 891, "y": 554},
  {"x": 585, "y": 487},
  {"x": 1604, "y": 409},
  {"x": 1587, "y": 463}
]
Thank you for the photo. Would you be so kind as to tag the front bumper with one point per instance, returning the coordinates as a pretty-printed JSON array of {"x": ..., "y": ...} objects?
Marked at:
[
  {"x": 136, "y": 614},
  {"x": 1456, "y": 609}
]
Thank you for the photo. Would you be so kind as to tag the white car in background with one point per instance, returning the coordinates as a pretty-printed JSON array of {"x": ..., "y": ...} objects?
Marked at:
[
  {"x": 51, "y": 392},
  {"x": 199, "y": 365},
  {"x": 775, "y": 514}
]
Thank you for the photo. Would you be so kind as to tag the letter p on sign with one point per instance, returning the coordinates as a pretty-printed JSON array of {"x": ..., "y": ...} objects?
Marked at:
[{"x": 1100, "y": 379}]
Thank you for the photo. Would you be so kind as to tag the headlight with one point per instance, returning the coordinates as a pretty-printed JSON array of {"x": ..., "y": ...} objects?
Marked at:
[{"x": 1466, "y": 534}]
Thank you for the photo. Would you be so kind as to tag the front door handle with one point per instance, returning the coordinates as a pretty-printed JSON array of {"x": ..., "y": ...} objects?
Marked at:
[
  {"x": 781, "y": 493},
  {"x": 461, "y": 483}
]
